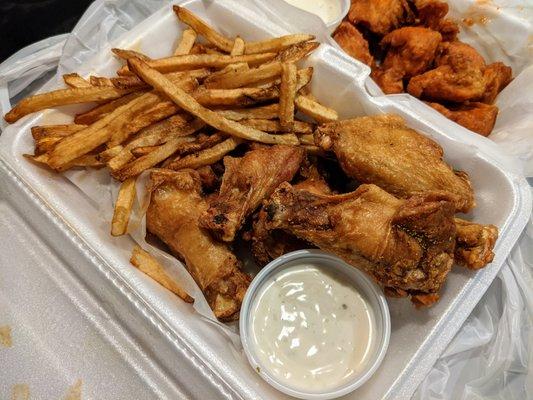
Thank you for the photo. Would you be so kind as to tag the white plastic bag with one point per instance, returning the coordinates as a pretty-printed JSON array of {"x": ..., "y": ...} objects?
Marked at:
[{"x": 489, "y": 356}]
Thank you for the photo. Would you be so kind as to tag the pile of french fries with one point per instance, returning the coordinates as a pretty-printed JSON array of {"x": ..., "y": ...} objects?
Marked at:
[{"x": 187, "y": 110}]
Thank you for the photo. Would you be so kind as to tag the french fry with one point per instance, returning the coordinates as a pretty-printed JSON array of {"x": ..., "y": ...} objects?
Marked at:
[
  {"x": 123, "y": 206},
  {"x": 235, "y": 97},
  {"x": 306, "y": 139},
  {"x": 315, "y": 110},
  {"x": 266, "y": 125},
  {"x": 276, "y": 44},
  {"x": 108, "y": 154},
  {"x": 125, "y": 54},
  {"x": 296, "y": 52},
  {"x": 203, "y": 29},
  {"x": 264, "y": 112},
  {"x": 45, "y": 144},
  {"x": 231, "y": 80},
  {"x": 152, "y": 139},
  {"x": 206, "y": 157},
  {"x": 189, "y": 104},
  {"x": 188, "y": 37},
  {"x": 287, "y": 95},
  {"x": 142, "y": 151},
  {"x": 147, "y": 264},
  {"x": 234, "y": 68},
  {"x": 75, "y": 81},
  {"x": 134, "y": 82},
  {"x": 201, "y": 143},
  {"x": 238, "y": 47},
  {"x": 195, "y": 61},
  {"x": 62, "y": 97},
  {"x": 94, "y": 114},
  {"x": 170, "y": 126},
  {"x": 42, "y": 131},
  {"x": 164, "y": 151},
  {"x": 85, "y": 140},
  {"x": 88, "y": 160},
  {"x": 100, "y": 81}
]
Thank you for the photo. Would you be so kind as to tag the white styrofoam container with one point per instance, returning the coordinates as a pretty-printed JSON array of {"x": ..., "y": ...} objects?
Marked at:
[{"x": 418, "y": 336}]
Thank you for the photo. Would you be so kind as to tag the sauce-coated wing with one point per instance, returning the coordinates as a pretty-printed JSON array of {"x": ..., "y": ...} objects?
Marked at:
[
  {"x": 379, "y": 16},
  {"x": 498, "y": 76},
  {"x": 175, "y": 206},
  {"x": 405, "y": 245},
  {"x": 246, "y": 182},
  {"x": 382, "y": 150}
]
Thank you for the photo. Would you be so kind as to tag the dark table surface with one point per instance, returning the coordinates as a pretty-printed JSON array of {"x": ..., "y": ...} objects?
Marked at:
[{"x": 23, "y": 22}]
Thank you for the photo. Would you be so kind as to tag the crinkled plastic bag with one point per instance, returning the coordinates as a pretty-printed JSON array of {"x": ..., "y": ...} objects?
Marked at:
[{"x": 489, "y": 356}]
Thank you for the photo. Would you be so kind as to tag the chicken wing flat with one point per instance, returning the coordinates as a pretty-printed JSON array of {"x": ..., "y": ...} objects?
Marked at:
[
  {"x": 475, "y": 243},
  {"x": 382, "y": 150},
  {"x": 478, "y": 117},
  {"x": 270, "y": 244},
  {"x": 353, "y": 42},
  {"x": 246, "y": 182},
  {"x": 459, "y": 75},
  {"x": 175, "y": 207},
  {"x": 379, "y": 16},
  {"x": 497, "y": 76},
  {"x": 411, "y": 51},
  {"x": 432, "y": 13},
  {"x": 405, "y": 245}
]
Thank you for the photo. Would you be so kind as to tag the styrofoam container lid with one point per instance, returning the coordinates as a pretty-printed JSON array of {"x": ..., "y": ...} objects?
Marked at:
[{"x": 372, "y": 294}]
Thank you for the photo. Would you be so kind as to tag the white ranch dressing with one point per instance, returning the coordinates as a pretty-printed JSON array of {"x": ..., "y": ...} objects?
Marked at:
[
  {"x": 327, "y": 10},
  {"x": 311, "y": 330}
]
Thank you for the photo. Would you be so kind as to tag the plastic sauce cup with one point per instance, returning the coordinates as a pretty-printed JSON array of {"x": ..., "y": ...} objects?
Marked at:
[{"x": 366, "y": 287}]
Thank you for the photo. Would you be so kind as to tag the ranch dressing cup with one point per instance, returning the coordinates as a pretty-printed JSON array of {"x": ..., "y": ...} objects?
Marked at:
[
  {"x": 313, "y": 326},
  {"x": 331, "y": 12}
]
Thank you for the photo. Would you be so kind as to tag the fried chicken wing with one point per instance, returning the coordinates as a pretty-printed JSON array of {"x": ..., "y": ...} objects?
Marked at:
[
  {"x": 411, "y": 51},
  {"x": 405, "y": 245},
  {"x": 498, "y": 76},
  {"x": 382, "y": 150},
  {"x": 270, "y": 244},
  {"x": 379, "y": 16},
  {"x": 478, "y": 117},
  {"x": 353, "y": 42},
  {"x": 459, "y": 75},
  {"x": 246, "y": 182},
  {"x": 475, "y": 243},
  {"x": 175, "y": 207}
]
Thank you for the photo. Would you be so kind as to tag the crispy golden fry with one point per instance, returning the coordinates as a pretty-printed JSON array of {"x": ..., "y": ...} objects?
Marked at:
[
  {"x": 147, "y": 264},
  {"x": 88, "y": 160},
  {"x": 100, "y": 81},
  {"x": 94, "y": 114},
  {"x": 276, "y": 44},
  {"x": 264, "y": 112},
  {"x": 188, "y": 37},
  {"x": 62, "y": 97},
  {"x": 45, "y": 144},
  {"x": 170, "y": 126},
  {"x": 201, "y": 143},
  {"x": 75, "y": 81},
  {"x": 315, "y": 110},
  {"x": 202, "y": 28},
  {"x": 125, "y": 54},
  {"x": 142, "y": 151},
  {"x": 267, "y": 125},
  {"x": 42, "y": 131},
  {"x": 287, "y": 95},
  {"x": 296, "y": 52},
  {"x": 134, "y": 82},
  {"x": 232, "y": 80},
  {"x": 82, "y": 142},
  {"x": 189, "y": 104},
  {"x": 108, "y": 154},
  {"x": 238, "y": 47},
  {"x": 123, "y": 206},
  {"x": 151, "y": 159},
  {"x": 194, "y": 61},
  {"x": 307, "y": 139},
  {"x": 206, "y": 157},
  {"x": 233, "y": 68},
  {"x": 152, "y": 139},
  {"x": 247, "y": 96}
]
